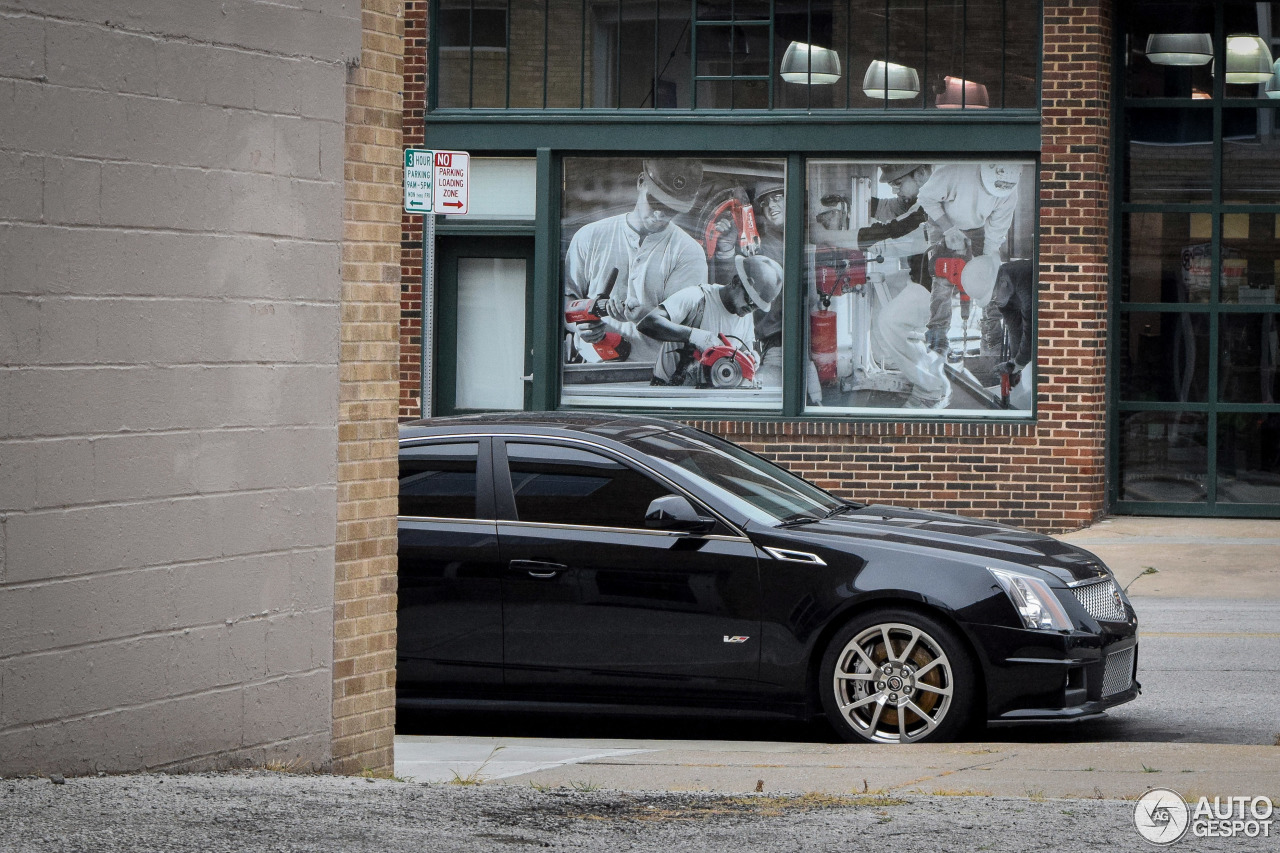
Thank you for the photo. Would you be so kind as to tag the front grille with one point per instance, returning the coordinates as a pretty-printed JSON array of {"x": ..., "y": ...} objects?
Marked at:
[
  {"x": 1118, "y": 674},
  {"x": 1101, "y": 600}
]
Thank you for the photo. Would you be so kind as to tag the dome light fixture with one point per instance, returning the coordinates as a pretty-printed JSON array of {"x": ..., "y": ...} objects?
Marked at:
[
  {"x": 888, "y": 80},
  {"x": 1248, "y": 59},
  {"x": 1179, "y": 48},
  {"x": 806, "y": 63}
]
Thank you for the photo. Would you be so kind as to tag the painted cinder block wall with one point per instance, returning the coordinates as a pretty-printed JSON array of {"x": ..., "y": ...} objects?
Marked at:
[
  {"x": 1048, "y": 475},
  {"x": 171, "y": 242}
]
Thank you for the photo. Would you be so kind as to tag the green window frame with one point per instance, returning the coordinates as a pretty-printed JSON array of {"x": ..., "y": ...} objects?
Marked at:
[{"x": 1209, "y": 113}]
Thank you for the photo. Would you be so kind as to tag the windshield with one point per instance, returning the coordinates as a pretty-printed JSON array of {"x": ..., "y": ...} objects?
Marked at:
[{"x": 758, "y": 489}]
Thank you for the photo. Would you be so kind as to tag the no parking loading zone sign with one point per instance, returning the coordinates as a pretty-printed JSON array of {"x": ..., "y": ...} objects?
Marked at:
[{"x": 436, "y": 181}]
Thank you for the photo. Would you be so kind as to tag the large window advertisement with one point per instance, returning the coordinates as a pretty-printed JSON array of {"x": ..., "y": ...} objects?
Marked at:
[
  {"x": 921, "y": 288},
  {"x": 672, "y": 275}
]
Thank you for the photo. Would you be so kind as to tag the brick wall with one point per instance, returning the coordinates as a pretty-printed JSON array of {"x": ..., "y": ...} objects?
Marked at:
[
  {"x": 364, "y": 613},
  {"x": 415, "y": 107},
  {"x": 1049, "y": 475}
]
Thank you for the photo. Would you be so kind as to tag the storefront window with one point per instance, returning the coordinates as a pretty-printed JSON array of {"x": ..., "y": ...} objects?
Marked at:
[
  {"x": 920, "y": 287},
  {"x": 672, "y": 280},
  {"x": 737, "y": 55}
]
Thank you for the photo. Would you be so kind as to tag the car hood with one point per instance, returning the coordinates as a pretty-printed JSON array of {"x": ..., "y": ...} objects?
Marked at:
[{"x": 958, "y": 534}]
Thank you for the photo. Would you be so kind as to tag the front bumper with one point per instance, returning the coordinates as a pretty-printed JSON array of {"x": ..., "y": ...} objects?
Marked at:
[{"x": 1037, "y": 676}]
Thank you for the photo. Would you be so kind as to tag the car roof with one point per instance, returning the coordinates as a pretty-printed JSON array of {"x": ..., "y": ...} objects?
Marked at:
[{"x": 600, "y": 424}]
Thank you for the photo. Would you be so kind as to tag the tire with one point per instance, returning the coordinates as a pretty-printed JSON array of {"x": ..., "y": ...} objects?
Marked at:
[{"x": 921, "y": 690}]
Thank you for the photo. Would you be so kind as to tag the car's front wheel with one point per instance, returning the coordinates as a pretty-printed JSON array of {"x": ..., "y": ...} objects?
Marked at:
[{"x": 897, "y": 676}]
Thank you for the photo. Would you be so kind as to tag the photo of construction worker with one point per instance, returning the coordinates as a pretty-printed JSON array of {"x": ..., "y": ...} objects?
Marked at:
[
  {"x": 970, "y": 207},
  {"x": 640, "y": 232},
  {"x": 907, "y": 279},
  {"x": 639, "y": 256},
  {"x": 709, "y": 331}
]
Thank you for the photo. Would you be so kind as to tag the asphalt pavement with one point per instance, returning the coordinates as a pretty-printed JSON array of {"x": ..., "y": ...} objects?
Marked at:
[{"x": 1208, "y": 597}]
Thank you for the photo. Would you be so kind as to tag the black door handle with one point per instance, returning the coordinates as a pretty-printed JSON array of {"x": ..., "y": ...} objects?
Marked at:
[{"x": 538, "y": 568}]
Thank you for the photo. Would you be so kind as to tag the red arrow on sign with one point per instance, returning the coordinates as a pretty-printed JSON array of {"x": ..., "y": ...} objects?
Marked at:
[{"x": 451, "y": 204}]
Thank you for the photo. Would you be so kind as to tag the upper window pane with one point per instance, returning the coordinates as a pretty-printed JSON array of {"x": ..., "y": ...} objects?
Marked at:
[
  {"x": 737, "y": 54},
  {"x": 1169, "y": 50},
  {"x": 554, "y": 484},
  {"x": 439, "y": 480},
  {"x": 1170, "y": 155},
  {"x": 1251, "y": 156}
]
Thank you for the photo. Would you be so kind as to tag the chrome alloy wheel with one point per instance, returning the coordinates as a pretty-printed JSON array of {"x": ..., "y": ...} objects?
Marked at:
[{"x": 893, "y": 683}]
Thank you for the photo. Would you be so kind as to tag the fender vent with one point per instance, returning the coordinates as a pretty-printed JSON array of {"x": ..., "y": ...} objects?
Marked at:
[{"x": 795, "y": 556}]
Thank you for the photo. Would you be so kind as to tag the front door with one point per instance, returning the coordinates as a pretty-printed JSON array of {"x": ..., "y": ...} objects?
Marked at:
[
  {"x": 483, "y": 359},
  {"x": 595, "y": 603}
]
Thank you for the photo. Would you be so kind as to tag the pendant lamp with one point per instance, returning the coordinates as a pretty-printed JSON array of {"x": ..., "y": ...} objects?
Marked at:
[
  {"x": 1179, "y": 48},
  {"x": 890, "y": 80},
  {"x": 1248, "y": 59},
  {"x": 806, "y": 63}
]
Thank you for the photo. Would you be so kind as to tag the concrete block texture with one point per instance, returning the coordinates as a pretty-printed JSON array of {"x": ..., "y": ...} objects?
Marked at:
[
  {"x": 170, "y": 248},
  {"x": 328, "y": 30},
  {"x": 22, "y": 46},
  {"x": 66, "y": 330},
  {"x": 41, "y": 260}
]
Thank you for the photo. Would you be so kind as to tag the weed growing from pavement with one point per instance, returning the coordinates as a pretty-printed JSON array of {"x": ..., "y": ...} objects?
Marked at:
[
  {"x": 584, "y": 787},
  {"x": 475, "y": 777},
  {"x": 1036, "y": 795},
  {"x": 1146, "y": 769}
]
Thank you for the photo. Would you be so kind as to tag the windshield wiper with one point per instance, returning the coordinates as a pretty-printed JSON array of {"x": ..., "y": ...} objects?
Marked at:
[
  {"x": 798, "y": 518},
  {"x": 843, "y": 508}
]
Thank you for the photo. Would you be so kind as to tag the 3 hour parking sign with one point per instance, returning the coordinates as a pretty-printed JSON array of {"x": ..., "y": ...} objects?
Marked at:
[{"x": 436, "y": 181}]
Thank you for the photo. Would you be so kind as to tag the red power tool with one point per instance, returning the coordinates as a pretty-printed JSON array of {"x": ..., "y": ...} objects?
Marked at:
[
  {"x": 725, "y": 366},
  {"x": 744, "y": 220},
  {"x": 839, "y": 271},
  {"x": 612, "y": 347}
]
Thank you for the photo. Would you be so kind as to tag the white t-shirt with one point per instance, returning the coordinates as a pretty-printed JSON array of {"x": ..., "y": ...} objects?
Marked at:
[
  {"x": 650, "y": 268},
  {"x": 682, "y": 308}
]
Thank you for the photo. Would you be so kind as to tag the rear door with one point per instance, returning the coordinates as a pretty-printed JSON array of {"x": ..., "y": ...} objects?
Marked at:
[
  {"x": 597, "y": 604},
  {"x": 450, "y": 610}
]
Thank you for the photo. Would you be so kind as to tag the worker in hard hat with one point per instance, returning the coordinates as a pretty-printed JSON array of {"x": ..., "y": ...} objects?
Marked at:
[
  {"x": 654, "y": 259},
  {"x": 970, "y": 208},
  {"x": 695, "y": 318}
]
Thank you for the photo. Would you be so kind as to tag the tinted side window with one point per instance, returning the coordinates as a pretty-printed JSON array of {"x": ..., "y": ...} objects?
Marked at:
[
  {"x": 439, "y": 480},
  {"x": 565, "y": 485}
]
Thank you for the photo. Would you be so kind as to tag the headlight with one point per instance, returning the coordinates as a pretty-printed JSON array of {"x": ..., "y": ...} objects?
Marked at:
[{"x": 1034, "y": 601}]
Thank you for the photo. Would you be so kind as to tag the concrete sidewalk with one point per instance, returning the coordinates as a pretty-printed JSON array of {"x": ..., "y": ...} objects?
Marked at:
[
  {"x": 1192, "y": 557},
  {"x": 1155, "y": 557}
]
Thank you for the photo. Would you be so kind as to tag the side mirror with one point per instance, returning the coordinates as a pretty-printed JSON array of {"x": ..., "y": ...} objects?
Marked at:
[{"x": 673, "y": 512}]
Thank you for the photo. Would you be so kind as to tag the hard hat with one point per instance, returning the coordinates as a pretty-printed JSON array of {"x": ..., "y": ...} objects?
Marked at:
[
  {"x": 674, "y": 181},
  {"x": 761, "y": 277},
  {"x": 893, "y": 171},
  {"x": 1000, "y": 179},
  {"x": 764, "y": 189},
  {"x": 979, "y": 278}
]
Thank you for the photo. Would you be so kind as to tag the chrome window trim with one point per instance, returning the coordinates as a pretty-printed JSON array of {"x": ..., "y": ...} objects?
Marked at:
[
  {"x": 427, "y": 439},
  {"x": 445, "y": 518},
  {"x": 640, "y": 530}
]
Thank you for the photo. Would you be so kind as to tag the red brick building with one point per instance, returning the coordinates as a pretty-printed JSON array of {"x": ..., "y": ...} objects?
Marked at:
[{"x": 1080, "y": 317}]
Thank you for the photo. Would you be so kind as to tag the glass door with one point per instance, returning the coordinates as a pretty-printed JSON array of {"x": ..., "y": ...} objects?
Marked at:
[
  {"x": 482, "y": 351},
  {"x": 1195, "y": 343}
]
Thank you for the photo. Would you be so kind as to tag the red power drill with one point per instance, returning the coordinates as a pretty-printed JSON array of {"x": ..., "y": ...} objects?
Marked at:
[{"x": 612, "y": 347}]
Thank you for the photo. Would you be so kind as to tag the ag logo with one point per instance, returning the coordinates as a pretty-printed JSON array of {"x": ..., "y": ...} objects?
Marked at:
[{"x": 1161, "y": 816}]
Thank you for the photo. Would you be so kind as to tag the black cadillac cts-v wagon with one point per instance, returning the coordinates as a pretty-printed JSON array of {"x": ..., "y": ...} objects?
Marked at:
[{"x": 599, "y": 562}]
